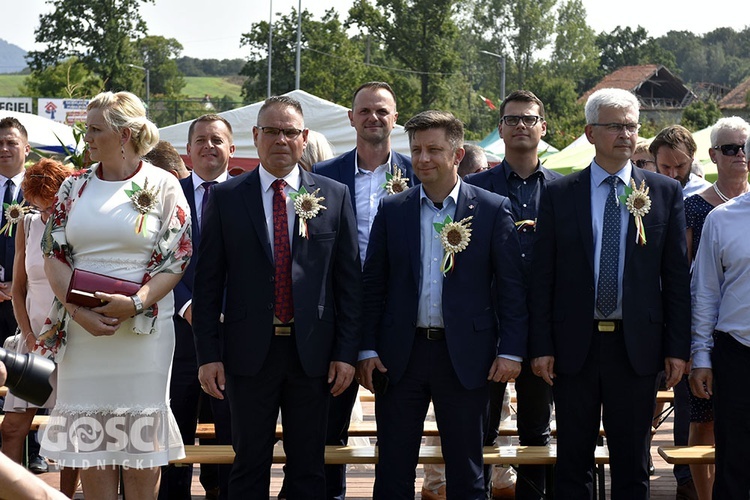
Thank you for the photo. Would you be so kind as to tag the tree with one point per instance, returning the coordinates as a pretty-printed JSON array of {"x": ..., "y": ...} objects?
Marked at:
[
  {"x": 158, "y": 55},
  {"x": 575, "y": 56},
  {"x": 69, "y": 78},
  {"x": 626, "y": 47},
  {"x": 98, "y": 32},
  {"x": 700, "y": 114},
  {"x": 331, "y": 63},
  {"x": 420, "y": 35}
]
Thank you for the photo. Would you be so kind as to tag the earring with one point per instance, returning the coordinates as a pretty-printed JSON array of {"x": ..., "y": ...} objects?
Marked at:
[{"x": 122, "y": 150}]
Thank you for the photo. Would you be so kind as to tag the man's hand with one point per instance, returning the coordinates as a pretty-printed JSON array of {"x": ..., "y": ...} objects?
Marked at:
[
  {"x": 674, "y": 369},
  {"x": 188, "y": 314},
  {"x": 365, "y": 369},
  {"x": 701, "y": 382},
  {"x": 340, "y": 374},
  {"x": 5, "y": 291},
  {"x": 211, "y": 377},
  {"x": 544, "y": 367},
  {"x": 504, "y": 369}
]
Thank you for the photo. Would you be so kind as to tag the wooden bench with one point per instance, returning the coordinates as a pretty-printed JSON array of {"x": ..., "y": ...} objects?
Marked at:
[
  {"x": 504, "y": 455},
  {"x": 688, "y": 454}
]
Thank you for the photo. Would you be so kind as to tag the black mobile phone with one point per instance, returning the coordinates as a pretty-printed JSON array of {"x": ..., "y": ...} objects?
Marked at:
[{"x": 380, "y": 382}]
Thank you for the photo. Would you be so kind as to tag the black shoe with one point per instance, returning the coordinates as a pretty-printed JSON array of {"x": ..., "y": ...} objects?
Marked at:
[
  {"x": 38, "y": 464},
  {"x": 686, "y": 491},
  {"x": 651, "y": 468},
  {"x": 213, "y": 493}
]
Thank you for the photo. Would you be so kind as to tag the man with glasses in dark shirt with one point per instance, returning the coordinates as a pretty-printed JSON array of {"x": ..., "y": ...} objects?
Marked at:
[{"x": 521, "y": 178}]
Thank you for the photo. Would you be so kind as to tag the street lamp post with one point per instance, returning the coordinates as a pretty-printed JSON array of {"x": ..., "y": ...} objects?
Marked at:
[
  {"x": 148, "y": 86},
  {"x": 502, "y": 74},
  {"x": 299, "y": 45}
]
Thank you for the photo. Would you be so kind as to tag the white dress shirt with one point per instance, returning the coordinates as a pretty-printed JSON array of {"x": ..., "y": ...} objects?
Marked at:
[
  {"x": 721, "y": 283},
  {"x": 293, "y": 182}
]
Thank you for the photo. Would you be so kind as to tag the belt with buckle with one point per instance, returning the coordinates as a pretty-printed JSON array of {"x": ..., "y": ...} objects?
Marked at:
[
  {"x": 283, "y": 330},
  {"x": 608, "y": 326},
  {"x": 431, "y": 333}
]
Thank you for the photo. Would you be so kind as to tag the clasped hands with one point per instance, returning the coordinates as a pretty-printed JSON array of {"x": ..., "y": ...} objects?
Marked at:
[{"x": 107, "y": 318}]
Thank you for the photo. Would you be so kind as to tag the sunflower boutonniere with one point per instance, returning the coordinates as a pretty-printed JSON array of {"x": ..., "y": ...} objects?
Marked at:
[
  {"x": 395, "y": 183},
  {"x": 14, "y": 212},
  {"x": 143, "y": 200},
  {"x": 638, "y": 204},
  {"x": 306, "y": 206},
  {"x": 455, "y": 237}
]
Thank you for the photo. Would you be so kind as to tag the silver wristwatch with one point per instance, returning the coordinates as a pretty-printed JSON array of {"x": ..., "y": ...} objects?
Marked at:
[{"x": 138, "y": 303}]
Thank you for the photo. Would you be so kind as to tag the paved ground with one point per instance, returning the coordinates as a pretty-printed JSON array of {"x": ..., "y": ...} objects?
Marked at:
[{"x": 360, "y": 478}]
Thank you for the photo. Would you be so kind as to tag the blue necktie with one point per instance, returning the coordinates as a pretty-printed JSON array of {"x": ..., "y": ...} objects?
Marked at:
[
  {"x": 606, "y": 296},
  {"x": 206, "y": 195}
]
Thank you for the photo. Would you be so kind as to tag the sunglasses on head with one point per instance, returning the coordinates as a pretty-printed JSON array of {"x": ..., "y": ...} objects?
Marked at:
[{"x": 730, "y": 149}]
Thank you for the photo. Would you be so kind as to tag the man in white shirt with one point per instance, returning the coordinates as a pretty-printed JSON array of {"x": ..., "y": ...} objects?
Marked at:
[{"x": 674, "y": 151}]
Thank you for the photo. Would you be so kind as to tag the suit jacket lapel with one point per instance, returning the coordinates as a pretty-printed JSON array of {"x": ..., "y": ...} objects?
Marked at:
[
  {"x": 499, "y": 181},
  {"x": 412, "y": 208},
  {"x": 298, "y": 242},
  {"x": 582, "y": 189},
  {"x": 637, "y": 176},
  {"x": 189, "y": 189},
  {"x": 466, "y": 202},
  {"x": 253, "y": 199},
  {"x": 346, "y": 174}
]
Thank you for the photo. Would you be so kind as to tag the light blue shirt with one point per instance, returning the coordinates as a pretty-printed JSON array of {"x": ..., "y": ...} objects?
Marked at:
[
  {"x": 368, "y": 191},
  {"x": 430, "y": 307},
  {"x": 694, "y": 185},
  {"x": 599, "y": 192}
]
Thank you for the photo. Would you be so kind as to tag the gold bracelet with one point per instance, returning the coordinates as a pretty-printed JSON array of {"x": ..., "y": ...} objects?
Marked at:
[{"x": 73, "y": 315}]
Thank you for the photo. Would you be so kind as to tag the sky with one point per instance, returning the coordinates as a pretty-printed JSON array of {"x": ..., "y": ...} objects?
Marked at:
[{"x": 212, "y": 30}]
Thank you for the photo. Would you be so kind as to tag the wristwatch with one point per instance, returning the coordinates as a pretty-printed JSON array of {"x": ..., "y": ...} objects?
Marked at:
[{"x": 138, "y": 303}]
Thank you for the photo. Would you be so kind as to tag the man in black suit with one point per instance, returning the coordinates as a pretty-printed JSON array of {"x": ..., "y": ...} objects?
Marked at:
[
  {"x": 432, "y": 324},
  {"x": 521, "y": 178},
  {"x": 14, "y": 148},
  {"x": 283, "y": 243},
  {"x": 210, "y": 146},
  {"x": 610, "y": 301},
  {"x": 365, "y": 170}
]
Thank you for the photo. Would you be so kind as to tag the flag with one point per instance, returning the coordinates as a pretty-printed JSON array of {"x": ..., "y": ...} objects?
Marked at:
[{"x": 487, "y": 102}]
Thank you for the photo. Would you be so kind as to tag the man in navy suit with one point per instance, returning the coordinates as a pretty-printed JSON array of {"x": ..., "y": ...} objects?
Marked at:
[
  {"x": 365, "y": 170},
  {"x": 610, "y": 301},
  {"x": 292, "y": 276},
  {"x": 210, "y": 146},
  {"x": 14, "y": 148},
  {"x": 432, "y": 325},
  {"x": 522, "y": 178}
]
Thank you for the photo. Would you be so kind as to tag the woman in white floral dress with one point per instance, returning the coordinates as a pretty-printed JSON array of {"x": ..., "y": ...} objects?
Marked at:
[{"x": 126, "y": 219}]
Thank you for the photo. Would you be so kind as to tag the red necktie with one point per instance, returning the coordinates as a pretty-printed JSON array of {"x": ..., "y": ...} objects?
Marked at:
[{"x": 282, "y": 255}]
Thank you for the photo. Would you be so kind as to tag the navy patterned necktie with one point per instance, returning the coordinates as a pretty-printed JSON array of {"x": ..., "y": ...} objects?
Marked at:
[
  {"x": 206, "y": 195},
  {"x": 606, "y": 296}
]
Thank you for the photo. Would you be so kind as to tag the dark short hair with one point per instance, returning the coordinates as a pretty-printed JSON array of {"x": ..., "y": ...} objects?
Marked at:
[
  {"x": 673, "y": 137},
  {"x": 11, "y": 122},
  {"x": 166, "y": 157},
  {"x": 522, "y": 96},
  {"x": 281, "y": 100},
  {"x": 454, "y": 129},
  {"x": 208, "y": 118},
  {"x": 374, "y": 86}
]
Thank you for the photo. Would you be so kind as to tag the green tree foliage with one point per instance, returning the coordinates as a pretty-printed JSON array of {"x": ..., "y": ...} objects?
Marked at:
[
  {"x": 575, "y": 56},
  {"x": 158, "y": 54},
  {"x": 565, "y": 119},
  {"x": 419, "y": 35},
  {"x": 190, "y": 66},
  {"x": 98, "y": 32},
  {"x": 69, "y": 78},
  {"x": 700, "y": 114},
  {"x": 628, "y": 47},
  {"x": 330, "y": 61}
]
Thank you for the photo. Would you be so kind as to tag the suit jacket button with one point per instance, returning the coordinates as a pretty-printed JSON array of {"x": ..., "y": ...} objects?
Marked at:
[
  {"x": 271, "y": 279},
  {"x": 270, "y": 307}
]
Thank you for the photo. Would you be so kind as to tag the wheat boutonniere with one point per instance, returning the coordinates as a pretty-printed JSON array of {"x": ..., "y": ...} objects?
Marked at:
[
  {"x": 395, "y": 183},
  {"x": 14, "y": 212},
  {"x": 306, "y": 206},
  {"x": 143, "y": 200},
  {"x": 455, "y": 237},
  {"x": 638, "y": 204}
]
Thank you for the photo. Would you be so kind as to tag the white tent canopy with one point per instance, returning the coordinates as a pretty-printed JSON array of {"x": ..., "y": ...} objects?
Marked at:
[
  {"x": 323, "y": 116},
  {"x": 44, "y": 133},
  {"x": 493, "y": 145}
]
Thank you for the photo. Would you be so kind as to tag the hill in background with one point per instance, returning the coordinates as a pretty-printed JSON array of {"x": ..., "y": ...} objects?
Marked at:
[{"x": 11, "y": 57}]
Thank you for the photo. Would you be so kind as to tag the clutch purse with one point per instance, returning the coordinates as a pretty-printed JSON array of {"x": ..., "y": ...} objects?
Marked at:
[{"x": 83, "y": 285}]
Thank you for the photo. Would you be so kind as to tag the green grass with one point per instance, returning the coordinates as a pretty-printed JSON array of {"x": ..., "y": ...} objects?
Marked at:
[
  {"x": 9, "y": 85},
  {"x": 198, "y": 86}
]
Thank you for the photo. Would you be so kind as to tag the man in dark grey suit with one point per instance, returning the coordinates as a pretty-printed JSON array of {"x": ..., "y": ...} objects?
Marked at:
[{"x": 282, "y": 242}]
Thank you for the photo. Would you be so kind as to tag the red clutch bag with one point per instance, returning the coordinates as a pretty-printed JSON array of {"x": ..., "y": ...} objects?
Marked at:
[{"x": 83, "y": 285}]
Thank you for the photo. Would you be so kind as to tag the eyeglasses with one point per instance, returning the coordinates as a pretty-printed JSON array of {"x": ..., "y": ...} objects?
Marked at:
[
  {"x": 731, "y": 149},
  {"x": 528, "y": 120},
  {"x": 643, "y": 162},
  {"x": 289, "y": 133},
  {"x": 616, "y": 128}
]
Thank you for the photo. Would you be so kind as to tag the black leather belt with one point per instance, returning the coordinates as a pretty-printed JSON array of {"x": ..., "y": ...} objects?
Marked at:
[
  {"x": 283, "y": 330},
  {"x": 608, "y": 326},
  {"x": 431, "y": 333}
]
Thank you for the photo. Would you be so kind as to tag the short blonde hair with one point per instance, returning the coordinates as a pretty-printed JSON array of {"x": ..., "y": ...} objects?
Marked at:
[
  {"x": 317, "y": 149},
  {"x": 125, "y": 110}
]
